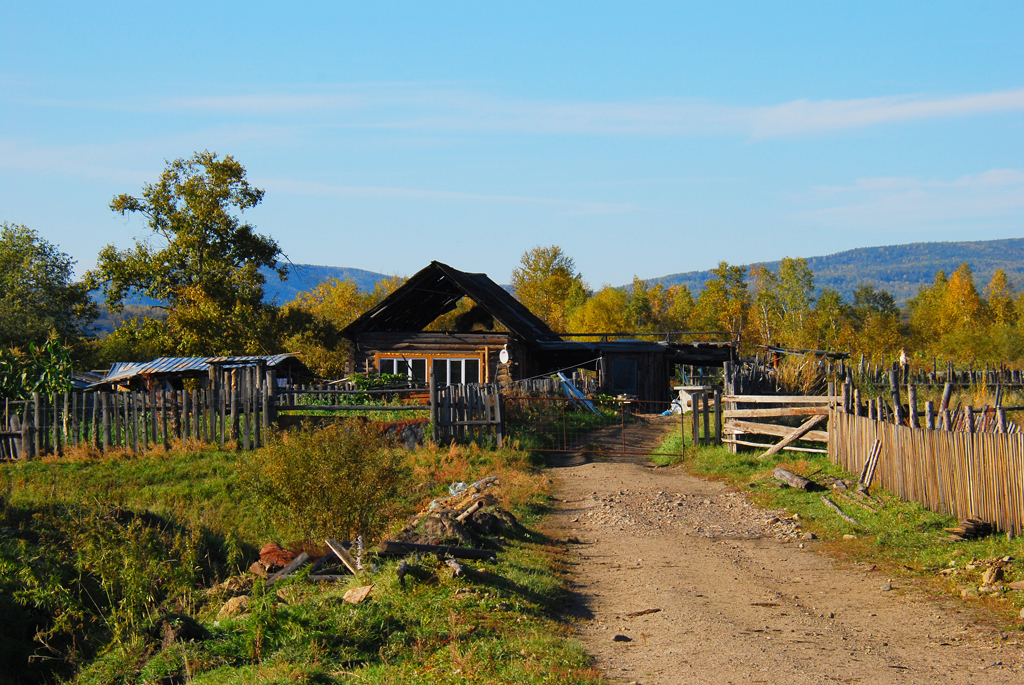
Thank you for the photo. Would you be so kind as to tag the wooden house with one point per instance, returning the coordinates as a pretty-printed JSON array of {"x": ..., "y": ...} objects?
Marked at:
[{"x": 500, "y": 340}]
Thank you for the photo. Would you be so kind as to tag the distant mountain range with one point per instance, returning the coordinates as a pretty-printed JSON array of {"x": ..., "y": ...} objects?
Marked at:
[
  {"x": 303, "y": 277},
  {"x": 900, "y": 269}
]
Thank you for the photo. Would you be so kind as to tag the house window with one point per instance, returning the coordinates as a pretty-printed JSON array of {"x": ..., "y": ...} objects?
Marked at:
[
  {"x": 448, "y": 371},
  {"x": 623, "y": 376},
  {"x": 415, "y": 369}
]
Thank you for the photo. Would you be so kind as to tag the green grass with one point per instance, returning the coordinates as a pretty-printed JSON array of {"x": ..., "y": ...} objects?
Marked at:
[
  {"x": 503, "y": 625},
  {"x": 903, "y": 538}
]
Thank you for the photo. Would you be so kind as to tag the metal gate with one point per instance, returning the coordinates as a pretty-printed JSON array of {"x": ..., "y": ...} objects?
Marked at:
[{"x": 607, "y": 426}]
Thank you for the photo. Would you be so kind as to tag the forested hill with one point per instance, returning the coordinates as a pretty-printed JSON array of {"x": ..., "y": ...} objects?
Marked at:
[
  {"x": 308, "y": 276},
  {"x": 900, "y": 269}
]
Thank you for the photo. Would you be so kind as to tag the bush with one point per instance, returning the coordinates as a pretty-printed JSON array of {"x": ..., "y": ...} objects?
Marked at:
[{"x": 335, "y": 481}]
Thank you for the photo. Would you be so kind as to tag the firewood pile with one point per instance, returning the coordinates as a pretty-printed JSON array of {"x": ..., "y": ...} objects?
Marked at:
[{"x": 969, "y": 529}]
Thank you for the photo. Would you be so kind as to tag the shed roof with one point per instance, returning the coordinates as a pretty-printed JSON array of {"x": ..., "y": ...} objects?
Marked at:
[
  {"x": 122, "y": 371},
  {"x": 436, "y": 290}
]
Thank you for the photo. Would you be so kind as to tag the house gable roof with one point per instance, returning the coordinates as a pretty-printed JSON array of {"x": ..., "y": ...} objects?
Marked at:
[{"x": 434, "y": 291}]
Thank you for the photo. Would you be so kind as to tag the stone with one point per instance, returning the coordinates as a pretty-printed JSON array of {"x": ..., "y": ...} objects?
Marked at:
[
  {"x": 258, "y": 569},
  {"x": 619, "y": 637},
  {"x": 992, "y": 575},
  {"x": 809, "y": 536},
  {"x": 234, "y": 606},
  {"x": 850, "y": 537},
  {"x": 172, "y": 628},
  {"x": 357, "y": 594}
]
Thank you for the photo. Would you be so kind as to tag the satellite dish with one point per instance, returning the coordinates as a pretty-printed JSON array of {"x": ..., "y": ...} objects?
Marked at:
[{"x": 503, "y": 356}]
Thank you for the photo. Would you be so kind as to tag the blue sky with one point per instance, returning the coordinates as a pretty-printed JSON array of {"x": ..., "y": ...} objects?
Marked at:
[{"x": 644, "y": 138}]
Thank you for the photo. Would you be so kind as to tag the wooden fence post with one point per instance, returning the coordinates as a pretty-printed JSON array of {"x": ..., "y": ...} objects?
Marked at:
[
  {"x": 929, "y": 415},
  {"x": 234, "y": 405},
  {"x": 912, "y": 405},
  {"x": 432, "y": 385},
  {"x": 894, "y": 389},
  {"x": 37, "y": 427},
  {"x": 969, "y": 418},
  {"x": 718, "y": 417},
  {"x": 1001, "y": 418},
  {"x": 105, "y": 409},
  {"x": 270, "y": 402}
]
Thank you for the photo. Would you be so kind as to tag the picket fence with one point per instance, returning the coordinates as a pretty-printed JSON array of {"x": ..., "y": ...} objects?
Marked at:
[{"x": 968, "y": 475}]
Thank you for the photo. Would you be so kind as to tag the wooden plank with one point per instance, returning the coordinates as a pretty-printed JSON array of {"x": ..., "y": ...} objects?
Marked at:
[
  {"x": 773, "y": 429},
  {"x": 291, "y": 568},
  {"x": 777, "y": 399},
  {"x": 784, "y": 411},
  {"x": 794, "y": 436},
  {"x": 343, "y": 555},
  {"x": 746, "y": 443}
]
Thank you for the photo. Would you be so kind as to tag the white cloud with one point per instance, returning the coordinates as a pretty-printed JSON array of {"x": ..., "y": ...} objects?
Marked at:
[
  {"x": 450, "y": 108},
  {"x": 567, "y": 207},
  {"x": 909, "y": 203}
]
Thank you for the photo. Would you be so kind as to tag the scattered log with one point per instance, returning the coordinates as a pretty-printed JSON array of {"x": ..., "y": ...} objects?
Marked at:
[
  {"x": 393, "y": 548},
  {"x": 461, "y": 518},
  {"x": 794, "y": 436},
  {"x": 291, "y": 568},
  {"x": 792, "y": 480},
  {"x": 342, "y": 553},
  {"x": 835, "y": 507}
]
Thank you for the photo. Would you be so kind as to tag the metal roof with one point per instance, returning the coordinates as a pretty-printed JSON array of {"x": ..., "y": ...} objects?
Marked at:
[
  {"x": 436, "y": 290},
  {"x": 122, "y": 371}
]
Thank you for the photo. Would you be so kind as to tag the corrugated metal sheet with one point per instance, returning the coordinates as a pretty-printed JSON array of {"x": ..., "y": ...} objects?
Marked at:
[{"x": 123, "y": 371}]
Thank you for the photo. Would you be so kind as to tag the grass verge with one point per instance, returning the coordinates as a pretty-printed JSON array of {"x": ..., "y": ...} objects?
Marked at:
[{"x": 67, "y": 551}]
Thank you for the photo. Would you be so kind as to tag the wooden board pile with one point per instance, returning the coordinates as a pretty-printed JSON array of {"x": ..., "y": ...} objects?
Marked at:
[{"x": 970, "y": 528}]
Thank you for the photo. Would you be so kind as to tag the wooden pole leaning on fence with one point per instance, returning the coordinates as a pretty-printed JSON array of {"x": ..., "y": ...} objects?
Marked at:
[
  {"x": 929, "y": 415},
  {"x": 794, "y": 436}
]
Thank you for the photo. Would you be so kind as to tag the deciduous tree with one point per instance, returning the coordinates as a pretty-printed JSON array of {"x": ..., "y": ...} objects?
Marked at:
[
  {"x": 37, "y": 292},
  {"x": 548, "y": 284}
]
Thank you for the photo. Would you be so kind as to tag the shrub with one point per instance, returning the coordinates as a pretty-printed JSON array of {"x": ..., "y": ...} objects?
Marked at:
[{"x": 335, "y": 481}]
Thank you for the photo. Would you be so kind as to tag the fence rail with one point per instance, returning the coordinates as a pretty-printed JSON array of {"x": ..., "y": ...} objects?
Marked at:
[{"x": 968, "y": 475}]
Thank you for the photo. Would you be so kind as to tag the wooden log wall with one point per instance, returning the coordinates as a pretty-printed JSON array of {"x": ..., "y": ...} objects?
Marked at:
[{"x": 969, "y": 475}]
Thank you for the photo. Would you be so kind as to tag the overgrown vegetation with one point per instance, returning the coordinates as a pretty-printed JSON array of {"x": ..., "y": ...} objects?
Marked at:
[
  {"x": 338, "y": 481},
  {"x": 101, "y": 553}
]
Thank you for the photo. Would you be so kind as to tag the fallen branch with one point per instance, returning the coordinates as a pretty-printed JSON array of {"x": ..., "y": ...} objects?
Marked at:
[
  {"x": 391, "y": 547},
  {"x": 834, "y": 507}
]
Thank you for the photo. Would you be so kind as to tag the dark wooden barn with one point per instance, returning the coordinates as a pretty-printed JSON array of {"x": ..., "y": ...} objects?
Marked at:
[{"x": 500, "y": 340}]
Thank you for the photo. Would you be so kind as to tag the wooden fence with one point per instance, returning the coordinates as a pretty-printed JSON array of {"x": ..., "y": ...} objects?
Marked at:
[
  {"x": 238, "y": 408},
  {"x": 968, "y": 475},
  {"x": 467, "y": 412}
]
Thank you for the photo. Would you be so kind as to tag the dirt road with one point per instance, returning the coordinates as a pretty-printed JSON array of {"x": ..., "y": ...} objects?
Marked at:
[{"x": 742, "y": 597}]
